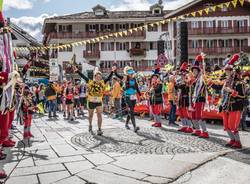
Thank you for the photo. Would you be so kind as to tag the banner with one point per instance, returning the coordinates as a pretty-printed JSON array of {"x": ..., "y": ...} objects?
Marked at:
[{"x": 1, "y": 5}]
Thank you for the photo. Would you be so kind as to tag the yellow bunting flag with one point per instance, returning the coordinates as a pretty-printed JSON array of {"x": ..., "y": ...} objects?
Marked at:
[
  {"x": 130, "y": 30},
  {"x": 234, "y": 2},
  {"x": 106, "y": 36},
  {"x": 213, "y": 8},
  {"x": 158, "y": 23},
  {"x": 140, "y": 28},
  {"x": 227, "y": 4},
  {"x": 193, "y": 14},
  {"x": 220, "y": 6},
  {"x": 200, "y": 12},
  {"x": 207, "y": 10},
  {"x": 116, "y": 34},
  {"x": 120, "y": 33},
  {"x": 125, "y": 33},
  {"x": 241, "y": 2}
]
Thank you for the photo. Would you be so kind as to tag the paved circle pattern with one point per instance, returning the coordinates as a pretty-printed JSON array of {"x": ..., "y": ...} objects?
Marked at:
[{"x": 147, "y": 141}]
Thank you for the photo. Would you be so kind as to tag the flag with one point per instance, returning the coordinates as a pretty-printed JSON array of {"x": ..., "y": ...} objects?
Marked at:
[{"x": 1, "y": 5}]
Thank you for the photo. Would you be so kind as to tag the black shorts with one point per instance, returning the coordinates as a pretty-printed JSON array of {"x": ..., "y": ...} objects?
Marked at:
[
  {"x": 92, "y": 105},
  {"x": 59, "y": 100},
  {"x": 69, "y": 102},
  {"x": 76, "y": 102},
  {"x": 83, "y": 101}
]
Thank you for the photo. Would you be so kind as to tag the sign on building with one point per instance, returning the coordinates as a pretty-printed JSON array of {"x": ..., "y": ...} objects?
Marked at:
[{"x": 54, "y": 70}]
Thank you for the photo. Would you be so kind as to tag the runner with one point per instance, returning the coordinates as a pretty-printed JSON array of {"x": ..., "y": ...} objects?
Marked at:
[
  {"x": 69, "y": 101},
  {"x": 96, "y": 88},
  {"x": 76, "y": 111},
  {"x": 130, "y": 91}
]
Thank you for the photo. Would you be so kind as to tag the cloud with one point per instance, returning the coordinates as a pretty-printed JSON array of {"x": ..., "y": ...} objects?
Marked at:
[
  {"x": 18, "y": 4},
  {"x": 33, "y": 25},
  {"x": 145, "y": 4}
]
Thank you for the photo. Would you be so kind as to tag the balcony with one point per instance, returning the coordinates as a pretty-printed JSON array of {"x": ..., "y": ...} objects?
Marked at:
[
  {"x": 134, "y": 52},
  {"x": 218, "y": 50},
  {"x": 83, "y": 35},
  {"x": 137, "y": 34},
  {"x": 91, "y": 54},
  {"x": 64, "y": 35},
  {"x": 219, "y": 30}
]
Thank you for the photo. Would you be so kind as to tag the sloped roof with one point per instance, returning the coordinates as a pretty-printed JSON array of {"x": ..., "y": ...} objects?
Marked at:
[
  {"x": 108, "y": 15},
  {"x": 23, "y": 34}
]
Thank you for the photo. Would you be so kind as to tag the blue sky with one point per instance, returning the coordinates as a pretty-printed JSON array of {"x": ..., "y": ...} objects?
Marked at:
[{"x": 29, "y": 14}]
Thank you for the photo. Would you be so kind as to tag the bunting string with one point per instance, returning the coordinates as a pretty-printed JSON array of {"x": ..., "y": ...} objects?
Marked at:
[{"x": 125, "y": 33}]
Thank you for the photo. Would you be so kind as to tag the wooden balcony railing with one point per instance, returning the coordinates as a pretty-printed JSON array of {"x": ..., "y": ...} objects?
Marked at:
[
  {"x": 91, "y": 54},
  {"x": 219, "y": 30},
  {"x": 218, "y": 50},
  {"x": 70, "y": 35},
  {"x": 134, "y": 52}
]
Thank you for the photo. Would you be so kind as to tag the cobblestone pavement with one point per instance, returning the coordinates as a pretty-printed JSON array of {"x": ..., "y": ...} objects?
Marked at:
[{"x": 64, "y": 152}]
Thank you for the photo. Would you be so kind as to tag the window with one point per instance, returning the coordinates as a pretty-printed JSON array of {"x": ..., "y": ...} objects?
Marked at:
[
  {"x": 92, "y": 28},
  {"x": 242, "y": 23},
  {"x": 122, "y": 46},
  {"x": 209, "y": 24},
  {"x": 195, "y": 24},
  {"x": 65, "y": 28},
  {"x": 153, "y": 28},
  {"x": 122, "y": 26},
  {"x": 224, "y": 23},
  {"x": 209, "y": 43},
  {"x": 157, "y": 11},
  {"x": 152, "y": 46},
  {"x": 107, "y": 46},
  {"x": 99, "y": 12},
  {"x": 195, "y": 44},
  {"x": 224, "y": 43}
]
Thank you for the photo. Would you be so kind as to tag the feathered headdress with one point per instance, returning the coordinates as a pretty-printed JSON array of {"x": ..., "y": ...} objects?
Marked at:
[{"x": 231, "y": 62}]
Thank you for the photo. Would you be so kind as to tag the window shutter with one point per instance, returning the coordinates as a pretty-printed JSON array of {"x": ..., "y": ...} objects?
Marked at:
[
  {"x": 97, "y": 27},
  {"x": 87, "y": 27}
]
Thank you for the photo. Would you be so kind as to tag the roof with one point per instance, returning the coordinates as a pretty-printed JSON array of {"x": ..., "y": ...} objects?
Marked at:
[
  {"x": 108, "y": 15},
  {"x": 23, "y": 34},
  {"x": 170, "y": 14}
]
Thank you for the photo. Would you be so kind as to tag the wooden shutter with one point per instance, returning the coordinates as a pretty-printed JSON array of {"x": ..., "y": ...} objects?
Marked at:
[
  {"x": 97, "y": 27},
  {"x": 87, "y": 27}
]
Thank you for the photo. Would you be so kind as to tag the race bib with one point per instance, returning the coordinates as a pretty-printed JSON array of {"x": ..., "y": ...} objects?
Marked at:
[
  {"x": 133, "y": 97},
  {"x": 95, "y": 99}
]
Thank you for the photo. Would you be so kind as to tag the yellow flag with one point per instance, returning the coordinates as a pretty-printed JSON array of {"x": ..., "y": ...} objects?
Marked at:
[
  {"x": 158, "y": 23},
  {"x": 213, "y": 8},
  {"x": 220, "y": 6},
  {"x": 227, "y": 4},
  {"x": 106, "y": 36},
  {"x": 120, "y": 33},
  {"x": 200, "y": 12},
  {"x": 234, "y": 2},
  {"x": 125, "y": 33},
  {"x": 193, "y": 14},
  {"x": 207, "y": 10},
  {"x": 241, "y": 2},
  {"x": 140, "y": 28},
  {"x": 116, "y": 34},
  {"x": 130, "y": 30}
]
